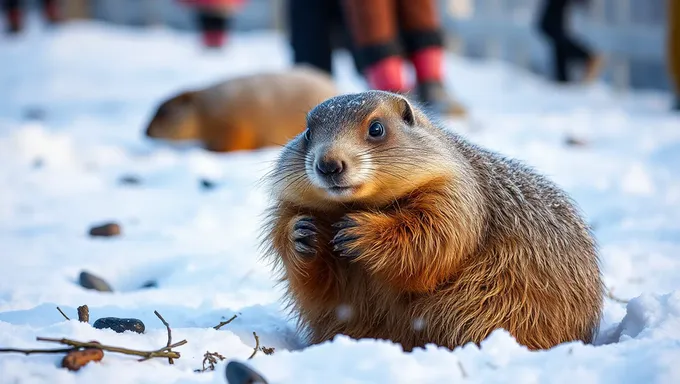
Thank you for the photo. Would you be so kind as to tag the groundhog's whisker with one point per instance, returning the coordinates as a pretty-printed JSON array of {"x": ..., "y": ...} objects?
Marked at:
[{"x": 286, "y": 175}]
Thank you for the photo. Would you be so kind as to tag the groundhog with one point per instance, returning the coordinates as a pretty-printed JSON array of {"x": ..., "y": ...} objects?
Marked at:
[
  {"x": 385, "y": 225},
  {"x": 243, "y": 113}
]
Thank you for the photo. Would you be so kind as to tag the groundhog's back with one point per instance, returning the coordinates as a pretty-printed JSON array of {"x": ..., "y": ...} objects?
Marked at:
[{"x": 261, "y": 110}]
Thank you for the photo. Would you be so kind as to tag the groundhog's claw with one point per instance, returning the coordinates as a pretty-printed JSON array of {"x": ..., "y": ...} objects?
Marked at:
[
  {"x": 343, "y": 240},
  {"x": 304, "y": 236}
]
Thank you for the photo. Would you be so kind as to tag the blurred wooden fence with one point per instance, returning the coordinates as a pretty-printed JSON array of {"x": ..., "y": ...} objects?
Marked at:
[{"x": 630, "y": 32}]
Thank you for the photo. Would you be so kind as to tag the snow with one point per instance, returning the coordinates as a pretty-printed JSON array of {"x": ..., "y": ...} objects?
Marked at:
[{"x": 97, "y": 85}]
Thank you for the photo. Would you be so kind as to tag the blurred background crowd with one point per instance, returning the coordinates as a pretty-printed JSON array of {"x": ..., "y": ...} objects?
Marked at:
[{"x": 627, "y": 43}]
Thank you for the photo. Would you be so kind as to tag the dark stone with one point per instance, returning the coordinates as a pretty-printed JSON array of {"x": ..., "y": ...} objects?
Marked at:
[
  {"x": 130, "y": 180},
  {"x": 105, "y": 230},
  {"x": 572, "y": 141},
  {"x": 150, "y": 284},
  {"x": 120, "y": 325},
  {"x": 34, "y": 113},
  {"x": 239, "y": 373},
  {"x": 208, "y": 184},
  {"x": 90, "y": 281}
]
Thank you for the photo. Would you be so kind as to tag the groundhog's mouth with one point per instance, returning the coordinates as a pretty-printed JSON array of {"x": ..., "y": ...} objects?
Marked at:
[{"x": 341, "y": 190}]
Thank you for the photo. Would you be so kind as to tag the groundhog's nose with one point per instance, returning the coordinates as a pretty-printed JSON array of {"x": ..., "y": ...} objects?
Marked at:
[{"x": 328, "y": 167}]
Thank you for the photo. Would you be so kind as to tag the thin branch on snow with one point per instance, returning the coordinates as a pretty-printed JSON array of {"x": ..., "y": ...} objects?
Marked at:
[
  {"x": 610, "y": 294},
  {"x": 210, "y": 359},
  {"x": 63, "y": 314},
  {"x": 170, "y": 360},
  {"x": 462, "y": 370},
  {"x": 223, "y": 323},
  {"x": 257, "y": 345},
  {"x": 164, "y": 352},
  {"x": 35, "y": 351}
]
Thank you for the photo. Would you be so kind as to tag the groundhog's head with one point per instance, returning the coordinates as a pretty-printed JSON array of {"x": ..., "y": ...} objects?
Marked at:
[
  {"x": 175, "y": 119},
  {"x": 371, "y": 147}
]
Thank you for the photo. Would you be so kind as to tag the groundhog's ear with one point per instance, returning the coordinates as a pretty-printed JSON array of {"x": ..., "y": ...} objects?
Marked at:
[
  {"x": 407, "y": 111},
  {"x": 186, "y": 97}
]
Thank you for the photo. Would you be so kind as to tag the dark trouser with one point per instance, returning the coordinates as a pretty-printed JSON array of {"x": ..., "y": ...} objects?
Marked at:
[
  {"x": 317, "y": 27},
  {"x": 566, "y": 49},
  {"x": 10, "y": 5},
  {"x": 385, "y": 28},
  {"x": 213, "y": 22},
  {"x": 12, "y": 12}
]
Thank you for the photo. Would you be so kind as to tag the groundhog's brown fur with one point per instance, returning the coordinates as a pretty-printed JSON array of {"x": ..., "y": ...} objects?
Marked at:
[
  {"x": 243, "y": 113},
  {"x": 420, "y": 237}
]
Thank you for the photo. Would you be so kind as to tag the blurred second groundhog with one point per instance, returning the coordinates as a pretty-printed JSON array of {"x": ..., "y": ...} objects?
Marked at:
[{"x": 243, "y": 113}]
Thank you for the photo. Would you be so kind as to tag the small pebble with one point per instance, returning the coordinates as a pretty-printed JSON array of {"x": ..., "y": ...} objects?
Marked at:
[
  {"x": 120, "y": 325},
  {"x": 239, "y": 373},
  {"x": 208, "y": 184},
  {"x": 105, "y": 230},
  {"x": 34, "y": 113},
  {"x": 572, "y": 141},
  {"x": 90, "y": 281},
  {"x": 150, "y": 284},
  {"x": 130, "y": 180}
]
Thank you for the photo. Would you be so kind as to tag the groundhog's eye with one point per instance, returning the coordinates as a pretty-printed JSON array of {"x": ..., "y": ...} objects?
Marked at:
[
  {"x": 376, "y": 129},
  {"x": 308, "y": 134}
]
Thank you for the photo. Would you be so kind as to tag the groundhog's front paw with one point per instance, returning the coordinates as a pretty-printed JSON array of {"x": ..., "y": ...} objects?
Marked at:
[
  {"x": 305, "y": 236},
  {"x": 344, "y": 242}
]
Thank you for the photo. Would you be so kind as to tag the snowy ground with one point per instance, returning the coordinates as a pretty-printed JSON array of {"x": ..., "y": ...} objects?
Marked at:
[{"x": 97, "y": 86}]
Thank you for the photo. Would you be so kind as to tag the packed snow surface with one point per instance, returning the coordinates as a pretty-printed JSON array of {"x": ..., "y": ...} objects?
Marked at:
[{"x": 73, "y": 104}]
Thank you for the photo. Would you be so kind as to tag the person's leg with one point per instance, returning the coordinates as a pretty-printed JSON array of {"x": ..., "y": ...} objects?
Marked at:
[
  {"x": 551, "y": 25},
  {"x": 51, "y": 11},
  {"x": 213, "y": 26},
  {"x": 673, "y": 48},
  {"x": 310, "y": 33},
  {"x": 560, "y": 70},
  {"x": 13, "y": 15},
  {"x": 566, "y": 49},
  {"x": 373, "y": 27},
  {"x": 423, "y": 38},
  {"x": 340, "y": 32}
]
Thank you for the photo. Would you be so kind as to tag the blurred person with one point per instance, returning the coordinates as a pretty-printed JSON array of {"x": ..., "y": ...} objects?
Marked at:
[
  {"x": 14, "y": 9},
  {"x": 565, "y": 48},
  {"x": 388, "y": 35},
  {"x": 214, "y": 19},
  {"x": 316, "y": 29},
  {"x": 673, "y": 49}
]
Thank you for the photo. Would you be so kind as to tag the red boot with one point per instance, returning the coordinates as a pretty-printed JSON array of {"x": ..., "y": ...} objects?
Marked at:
[
  {"x": 429, "y": 67},
  {"x": 387, "y": 75},
  {"x": 213, "y": 38}
]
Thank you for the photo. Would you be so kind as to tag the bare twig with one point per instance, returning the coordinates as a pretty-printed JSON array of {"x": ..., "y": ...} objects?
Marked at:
[
  {"x": 83, "y": 314},
  {"x": 167, "y": 326},
  {"x": 63, "y": 314},
  {"x": 34, "y": 351},
  {"x": 164, "y": 352},
  {"x": 462, "y": 370},
  {"x": 610, "y": 294},
  {"x": 257, "y": 345},
  {"x": 210, "y": 358},
  {"x": 223, "y": 323}
]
